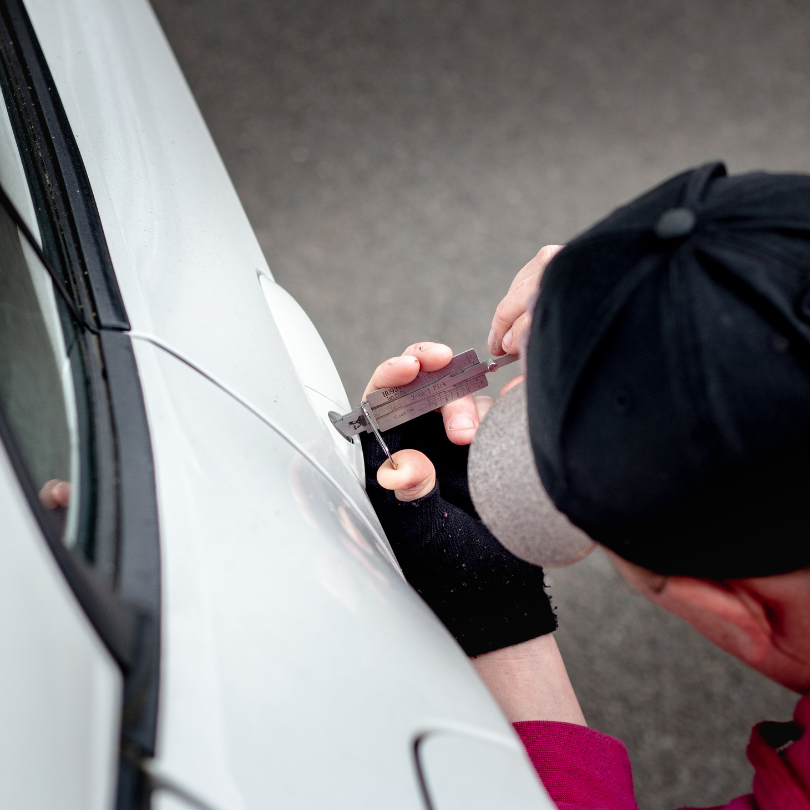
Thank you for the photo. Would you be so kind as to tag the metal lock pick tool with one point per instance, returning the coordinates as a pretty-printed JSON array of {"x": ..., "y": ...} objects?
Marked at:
[{"x": 388, "y": 407}]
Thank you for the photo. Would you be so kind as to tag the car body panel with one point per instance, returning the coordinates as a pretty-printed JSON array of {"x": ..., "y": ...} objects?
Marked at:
[
  {"x": 60, "y": 690},
  {"x": 186, "y": 259},
  {"x": 185, "y": 256},
  {"x": 287, "y": 633},
  {"x": 316, "y": 371},
  {"x": 476, "y": 772},
  {"x": 298, "y": 669}
]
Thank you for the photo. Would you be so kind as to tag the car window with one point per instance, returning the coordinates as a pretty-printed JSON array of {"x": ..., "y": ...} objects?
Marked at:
[
  {"x": 36, "y": 380},
  {"x": 12, "y": 175},
  {"x": 37, "y": 395}
]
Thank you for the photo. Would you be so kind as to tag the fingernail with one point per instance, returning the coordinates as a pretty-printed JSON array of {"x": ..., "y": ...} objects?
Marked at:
[
  {"x": 460, "y": 422},
  {"x": 507, "y": 340},
  {"x": 491, "y": 341},
  {"x": 395, "y": 360}
]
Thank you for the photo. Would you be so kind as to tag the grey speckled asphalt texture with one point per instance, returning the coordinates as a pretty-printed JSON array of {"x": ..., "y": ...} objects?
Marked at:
[{"x": 400, "y": 161}]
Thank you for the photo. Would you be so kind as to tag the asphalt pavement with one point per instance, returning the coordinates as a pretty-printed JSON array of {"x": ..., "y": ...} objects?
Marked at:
[{"x": 401, "y": 161}]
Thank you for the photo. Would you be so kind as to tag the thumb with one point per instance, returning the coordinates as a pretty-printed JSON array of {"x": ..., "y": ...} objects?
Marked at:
[{"x": 413, "y": 478}]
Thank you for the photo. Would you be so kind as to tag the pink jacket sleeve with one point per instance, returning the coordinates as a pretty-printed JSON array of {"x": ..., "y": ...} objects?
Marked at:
[{"x": 581, "y": 769}]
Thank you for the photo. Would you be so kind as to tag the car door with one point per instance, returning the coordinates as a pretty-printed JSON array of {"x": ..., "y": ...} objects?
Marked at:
[
  {"x": 296, "y": 667},
  {"x": 79, "y": 555}
]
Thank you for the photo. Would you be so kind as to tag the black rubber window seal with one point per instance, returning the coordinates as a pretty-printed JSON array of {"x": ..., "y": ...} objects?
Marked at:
[{"x": 75, "y": 185}]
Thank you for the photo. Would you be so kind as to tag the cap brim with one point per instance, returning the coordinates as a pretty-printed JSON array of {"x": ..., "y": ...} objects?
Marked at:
[{"x": 509, "y": 495}]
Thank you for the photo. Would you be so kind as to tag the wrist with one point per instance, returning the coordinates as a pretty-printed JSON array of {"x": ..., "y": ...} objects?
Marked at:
[{"x": 529, "y": 681}]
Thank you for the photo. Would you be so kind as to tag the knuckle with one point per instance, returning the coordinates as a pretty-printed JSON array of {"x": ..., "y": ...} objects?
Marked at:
[
  {"x": 547, "y": 253},
  {"x": 502, "y": 314}
]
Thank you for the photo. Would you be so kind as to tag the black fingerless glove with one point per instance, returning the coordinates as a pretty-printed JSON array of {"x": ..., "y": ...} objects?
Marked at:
[{"x": 485, "y": 596}]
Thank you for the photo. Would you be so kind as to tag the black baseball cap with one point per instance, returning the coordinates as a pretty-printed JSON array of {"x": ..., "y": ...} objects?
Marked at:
[{"x": 668, "y": 377}]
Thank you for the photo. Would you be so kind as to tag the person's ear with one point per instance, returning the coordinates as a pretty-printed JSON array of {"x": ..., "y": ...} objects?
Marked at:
[{"x": 734, "y": 620}]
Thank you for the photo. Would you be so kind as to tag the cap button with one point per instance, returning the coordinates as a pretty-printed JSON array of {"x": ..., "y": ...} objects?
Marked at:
[{"x": 675, "y": 223}]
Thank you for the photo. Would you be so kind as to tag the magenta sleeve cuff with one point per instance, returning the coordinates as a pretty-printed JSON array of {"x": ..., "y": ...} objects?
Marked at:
[{"x": 581, "y": 769}]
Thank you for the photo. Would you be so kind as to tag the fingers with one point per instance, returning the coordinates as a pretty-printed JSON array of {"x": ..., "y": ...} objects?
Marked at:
[
  {"x": 460, "y": 420},
  {"x": 414, "y": 477},
  {"x": 61, "y": 494},
  {"x": 425, "y": 356},
  {"x": 482, "y": 405},
  {"x": 502, "y": 337},
  {"x": 396, "y": 371},
  {"x": 512, "y": 340},
  {"x": 55, "y": 493},
  {"x": 431, "y": 356},
  {"x": 508, "y": 311},
  {"x": 462, "y": 417}
]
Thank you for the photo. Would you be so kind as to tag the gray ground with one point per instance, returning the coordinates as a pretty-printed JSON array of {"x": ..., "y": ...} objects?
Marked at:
[{"x": 400, "y": 161}]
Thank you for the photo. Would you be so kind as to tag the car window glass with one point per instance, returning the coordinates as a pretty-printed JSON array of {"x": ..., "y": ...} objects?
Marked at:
[
  {"x": 12, "y": 175},
  {"x": 37, "y": 394}
]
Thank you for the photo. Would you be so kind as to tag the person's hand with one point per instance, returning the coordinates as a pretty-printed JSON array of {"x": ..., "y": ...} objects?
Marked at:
[
  {"x": 513, "y": 315},
  {"x": 485, "y": 596},
  {"x": 462, "y": 417},
  {"x": 55, "y": 493},
  {"x": 415, "y": 475}
]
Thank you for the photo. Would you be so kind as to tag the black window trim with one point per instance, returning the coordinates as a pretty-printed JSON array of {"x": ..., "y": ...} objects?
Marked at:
[{"x": 121, "y": 594}]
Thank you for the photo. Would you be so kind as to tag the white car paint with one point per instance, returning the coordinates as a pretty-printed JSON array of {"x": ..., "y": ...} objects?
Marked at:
[
  {"x": 312, "y": 362},
  {"x": 309, "y": 653},
  {"x": 186, "y": 258},
  {"x": 298, "y": 668},
  {"x": 60, "y": 690}
]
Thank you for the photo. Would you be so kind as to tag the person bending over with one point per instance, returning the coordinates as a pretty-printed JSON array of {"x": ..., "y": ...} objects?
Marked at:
[{"x": 665, "y": 416}]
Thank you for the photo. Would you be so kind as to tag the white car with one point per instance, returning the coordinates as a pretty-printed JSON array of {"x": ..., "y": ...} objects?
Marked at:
[{"x": 199, "y": 607}]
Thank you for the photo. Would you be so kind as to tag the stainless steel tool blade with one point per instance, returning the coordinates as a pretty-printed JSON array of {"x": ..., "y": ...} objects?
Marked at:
[{"x": 463, "y": 375}]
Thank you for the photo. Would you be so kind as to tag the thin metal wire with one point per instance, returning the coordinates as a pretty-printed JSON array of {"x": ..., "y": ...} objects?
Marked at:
[{"x": 376, "y": 428}]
